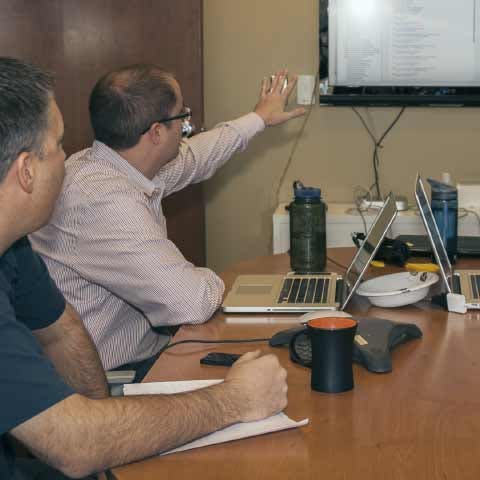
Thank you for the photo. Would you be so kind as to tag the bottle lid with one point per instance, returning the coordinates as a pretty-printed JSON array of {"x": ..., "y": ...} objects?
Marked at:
[
  {"x": 305, "y": 192},
  {"x": 442, "y": 191},
  {"x": 446, "y": 178},
  {"x": 308, "y": 192}
]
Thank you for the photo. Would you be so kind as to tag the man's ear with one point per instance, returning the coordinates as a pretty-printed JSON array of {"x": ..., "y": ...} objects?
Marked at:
[
  {"x": 25, "y": 171},
  {"x": 157, "y": 133}
]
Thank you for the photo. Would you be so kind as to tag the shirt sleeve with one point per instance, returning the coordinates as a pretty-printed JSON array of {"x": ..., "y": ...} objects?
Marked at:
[
  {"x": 38, "y": 301},
  {"x": 146, "y": 270},
  {"x": 202, "y": 155},
  {"x": 29, "y": 383}
]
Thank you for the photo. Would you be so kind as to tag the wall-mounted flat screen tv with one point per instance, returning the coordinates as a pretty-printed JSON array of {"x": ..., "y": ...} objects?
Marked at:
[{"x": 400, "y": 52}]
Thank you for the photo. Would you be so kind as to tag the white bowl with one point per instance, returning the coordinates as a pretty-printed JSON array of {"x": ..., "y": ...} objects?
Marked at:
[{"x": 397, "y": 289}]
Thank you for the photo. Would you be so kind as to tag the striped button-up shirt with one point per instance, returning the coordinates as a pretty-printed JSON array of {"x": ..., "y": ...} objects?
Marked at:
[{"x": 107, "y": 246}]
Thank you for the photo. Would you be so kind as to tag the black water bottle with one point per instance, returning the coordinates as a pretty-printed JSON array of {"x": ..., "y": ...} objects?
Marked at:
[{"x": 308, "y": 238}]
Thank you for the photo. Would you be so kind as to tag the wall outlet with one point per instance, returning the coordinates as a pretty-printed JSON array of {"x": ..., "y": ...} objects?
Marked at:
[{"x": 305, "y": 89}]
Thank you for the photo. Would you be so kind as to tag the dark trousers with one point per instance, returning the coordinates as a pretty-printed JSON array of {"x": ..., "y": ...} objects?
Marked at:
[
  {"x": 32, "y": 469},
  {"x": 141, "y": 368}
]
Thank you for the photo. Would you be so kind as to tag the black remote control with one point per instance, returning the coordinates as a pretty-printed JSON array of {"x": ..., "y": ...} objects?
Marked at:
[{"x": 222, "y": 359}]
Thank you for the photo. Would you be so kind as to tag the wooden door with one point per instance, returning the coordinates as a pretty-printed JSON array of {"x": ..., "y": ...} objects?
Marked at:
[{"x": 80, "y": 40}]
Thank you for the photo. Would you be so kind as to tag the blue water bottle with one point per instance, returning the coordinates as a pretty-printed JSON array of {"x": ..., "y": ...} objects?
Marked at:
[{"x": 445, "y": 210}]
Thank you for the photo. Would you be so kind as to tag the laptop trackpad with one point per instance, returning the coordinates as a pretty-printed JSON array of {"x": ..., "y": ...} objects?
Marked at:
[{"x": 254, "y": 289}]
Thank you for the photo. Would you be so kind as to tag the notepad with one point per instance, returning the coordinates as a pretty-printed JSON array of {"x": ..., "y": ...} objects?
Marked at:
[{"x": 275, "y": 423}]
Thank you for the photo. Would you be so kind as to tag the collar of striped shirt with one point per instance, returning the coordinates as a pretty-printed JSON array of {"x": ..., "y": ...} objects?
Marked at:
[{"x": 102, "y": 151}]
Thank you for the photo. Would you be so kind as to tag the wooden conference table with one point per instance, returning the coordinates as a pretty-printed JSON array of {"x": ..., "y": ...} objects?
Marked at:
[{"x": 421, "y": 421}]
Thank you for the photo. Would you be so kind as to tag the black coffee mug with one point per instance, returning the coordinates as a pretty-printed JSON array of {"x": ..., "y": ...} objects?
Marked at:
[{"x": 332, "y": 350}]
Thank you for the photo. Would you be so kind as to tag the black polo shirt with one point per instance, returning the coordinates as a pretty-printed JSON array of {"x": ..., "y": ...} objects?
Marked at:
[{"x": 29, "y": 384}]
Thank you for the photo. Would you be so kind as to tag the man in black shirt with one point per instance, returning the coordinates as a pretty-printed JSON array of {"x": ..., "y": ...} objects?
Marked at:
[{"x": 53, "y": 393}]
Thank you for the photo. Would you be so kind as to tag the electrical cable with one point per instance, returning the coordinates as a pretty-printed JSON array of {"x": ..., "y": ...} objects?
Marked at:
[
  {"x": 377, "y": 145},
  {"x": 357, "y": 198},
  {"x": 472, "y": 212},
  {"x": 242, "y": 340},
  {"x": 362, "y": 216},
  {"x": 337, "y": 264},
  {"x": 397, "y": 118},
  {"x": 297, "y": 139}
]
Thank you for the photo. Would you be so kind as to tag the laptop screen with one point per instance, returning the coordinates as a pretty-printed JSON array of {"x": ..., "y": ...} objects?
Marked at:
[
  {"x": 432, "y": 230},
  {"x": 370, "y": 246}
]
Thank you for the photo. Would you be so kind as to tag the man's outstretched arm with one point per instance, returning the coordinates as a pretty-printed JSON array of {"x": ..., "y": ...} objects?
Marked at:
[{"x": 203, "y": 154}]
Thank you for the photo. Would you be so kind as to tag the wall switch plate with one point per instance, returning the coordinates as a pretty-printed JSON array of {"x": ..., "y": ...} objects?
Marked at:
[{"x": 305, "y": 89}]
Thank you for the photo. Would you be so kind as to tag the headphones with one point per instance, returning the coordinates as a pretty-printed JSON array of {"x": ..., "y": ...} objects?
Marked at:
[{"x": 187, "y": 129}]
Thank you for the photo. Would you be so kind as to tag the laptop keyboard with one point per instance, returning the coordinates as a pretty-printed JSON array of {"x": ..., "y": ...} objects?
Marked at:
[
  {"x": 475, "y": 282},
  {"x": 304, "y": 290},
  {"x": 456, "y": 284}
]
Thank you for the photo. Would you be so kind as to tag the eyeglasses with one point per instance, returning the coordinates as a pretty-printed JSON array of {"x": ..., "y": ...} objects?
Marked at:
[{"x": 185, "y": 116}]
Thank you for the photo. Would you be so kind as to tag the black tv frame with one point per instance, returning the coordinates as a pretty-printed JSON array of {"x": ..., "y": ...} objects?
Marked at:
[{"x": 347, "y": 99}]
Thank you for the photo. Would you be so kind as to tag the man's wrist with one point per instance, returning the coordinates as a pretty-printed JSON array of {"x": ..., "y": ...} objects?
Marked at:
[
  {"x": 261, "y": 117},
  {"x": 228, "y": 402}
]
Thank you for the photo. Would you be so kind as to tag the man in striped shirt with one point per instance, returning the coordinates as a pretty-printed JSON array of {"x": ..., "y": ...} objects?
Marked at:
[
  {"x": 107, "y": 245},
  {"x": 54, "y": 397}
]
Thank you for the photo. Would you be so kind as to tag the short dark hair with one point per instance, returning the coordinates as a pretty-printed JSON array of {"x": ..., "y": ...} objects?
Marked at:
[
  {"x": 126, "y": 102},
  {"x": 25, "y": 92}
]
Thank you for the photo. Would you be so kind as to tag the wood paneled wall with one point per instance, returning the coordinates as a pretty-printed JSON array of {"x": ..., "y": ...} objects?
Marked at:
[{"x": 80, "y": 40}]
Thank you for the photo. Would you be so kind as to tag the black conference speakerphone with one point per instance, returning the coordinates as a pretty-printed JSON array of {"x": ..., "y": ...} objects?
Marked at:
[{"x": 374, "y": 340}]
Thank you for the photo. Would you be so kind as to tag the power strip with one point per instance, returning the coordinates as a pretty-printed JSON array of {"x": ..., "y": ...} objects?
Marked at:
[
  {"x": 401, "y": 203},
  {"x": 365, "y": 204}
]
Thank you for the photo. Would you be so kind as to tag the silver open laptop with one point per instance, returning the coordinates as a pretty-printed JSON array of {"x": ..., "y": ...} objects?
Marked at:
[
  {"x": 304, "y": 293},
  {"x": 464, "y": 282}
]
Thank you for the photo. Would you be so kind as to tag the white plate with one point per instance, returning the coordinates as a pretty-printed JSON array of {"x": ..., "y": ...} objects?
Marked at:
[{"x": 397, "y": 289}]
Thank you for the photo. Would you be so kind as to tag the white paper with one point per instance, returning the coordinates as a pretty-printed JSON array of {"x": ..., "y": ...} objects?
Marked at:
[
  {"x": 243, "y": 430},
  {"x": 167, "y": 388},
  {"x": 274, "y": 423}
]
